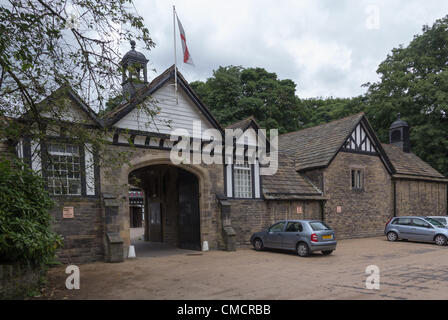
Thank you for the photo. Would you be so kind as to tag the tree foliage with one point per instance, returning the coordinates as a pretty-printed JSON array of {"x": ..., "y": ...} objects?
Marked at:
[
  {"x": 234, "y": 93},
  {"x": 25, "y": 224},
  {"x": 414, "y": 83}
]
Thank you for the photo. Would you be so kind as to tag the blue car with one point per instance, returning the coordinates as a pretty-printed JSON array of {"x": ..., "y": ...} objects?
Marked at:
[
  {"x": 302, "y": 236},
  {"x": 423, "y": 229}
]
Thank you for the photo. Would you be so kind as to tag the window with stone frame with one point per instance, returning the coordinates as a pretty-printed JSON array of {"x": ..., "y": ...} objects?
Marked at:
[
  {"x": 357, "y": 179},
  {"x": 242, "y": 176},
  {"x": 63, "y": 171}
]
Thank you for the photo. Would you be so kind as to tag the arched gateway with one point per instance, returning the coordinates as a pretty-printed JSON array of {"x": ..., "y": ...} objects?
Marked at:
[{"x": 171, "y": 205}]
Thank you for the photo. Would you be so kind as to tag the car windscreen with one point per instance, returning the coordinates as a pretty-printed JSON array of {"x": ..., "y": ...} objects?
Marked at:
[
  {"x": 435, "y": 222},
  {"x": 319, "y": 225},
  {"x": 441, "y": 220}
]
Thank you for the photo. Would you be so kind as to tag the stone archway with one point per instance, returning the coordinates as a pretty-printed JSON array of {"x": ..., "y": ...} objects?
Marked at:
[
  {"x": 172, "y": 209},
  {"x": 115, "y": 191}
]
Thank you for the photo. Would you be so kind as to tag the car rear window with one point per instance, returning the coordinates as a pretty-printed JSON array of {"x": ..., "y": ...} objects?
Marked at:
[{"x": 319, "y": 225}]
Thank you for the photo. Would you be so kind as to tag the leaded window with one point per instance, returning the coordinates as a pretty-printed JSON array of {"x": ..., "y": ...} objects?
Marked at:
[
  {"x": 64, "y": 169},
  {"x": 242, "y": 173},
  {"x": 357, "y": 179}
]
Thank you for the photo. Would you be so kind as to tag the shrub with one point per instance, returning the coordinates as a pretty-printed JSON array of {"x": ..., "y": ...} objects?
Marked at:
[{"x": 25, "y": 223}]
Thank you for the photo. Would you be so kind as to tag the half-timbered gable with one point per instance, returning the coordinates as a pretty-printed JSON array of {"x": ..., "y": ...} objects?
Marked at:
[{"x": 360, "y": 141}]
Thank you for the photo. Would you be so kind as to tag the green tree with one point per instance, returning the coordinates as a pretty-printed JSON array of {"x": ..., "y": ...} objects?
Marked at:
[
  {"x": 323, "y": 110},
  {"x": 25, "y": 224},
  {"x": 234, "y": 93},
  {"x": 414, "y": 83}
]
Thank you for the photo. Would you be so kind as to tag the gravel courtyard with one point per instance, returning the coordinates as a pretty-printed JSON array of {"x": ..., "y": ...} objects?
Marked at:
[{"x": 408, "y": 271}]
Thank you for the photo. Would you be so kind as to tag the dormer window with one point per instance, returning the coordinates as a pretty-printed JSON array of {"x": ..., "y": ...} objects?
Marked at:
[{"x": 242, "y": 174}]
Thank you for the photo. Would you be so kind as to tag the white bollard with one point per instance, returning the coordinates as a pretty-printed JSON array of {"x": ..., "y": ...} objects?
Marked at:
[
  {"x": 131, "y": 254},
  {"x": 205, "y": 246}
]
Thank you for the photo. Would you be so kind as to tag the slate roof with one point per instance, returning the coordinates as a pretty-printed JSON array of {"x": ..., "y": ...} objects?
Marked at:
[
  {"x": 409, "y": 164},
  {"x": 316, "y": 146},
  {"x": 67, "y": 91},
  {"x": 287, "y": 183},
  {"x": 242, "y": 124}
]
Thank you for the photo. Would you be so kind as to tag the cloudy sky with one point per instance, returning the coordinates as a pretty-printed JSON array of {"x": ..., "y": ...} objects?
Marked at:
[{"x": 328, "y": 47}]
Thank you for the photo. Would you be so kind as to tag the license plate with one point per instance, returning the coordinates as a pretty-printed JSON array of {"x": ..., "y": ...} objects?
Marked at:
[{"x": 329, "y": 237}]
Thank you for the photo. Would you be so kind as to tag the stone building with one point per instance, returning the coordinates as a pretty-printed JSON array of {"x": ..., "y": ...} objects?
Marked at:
[
  {"x": 365, "y": 182},
  {"x": 338, "y": 172}
]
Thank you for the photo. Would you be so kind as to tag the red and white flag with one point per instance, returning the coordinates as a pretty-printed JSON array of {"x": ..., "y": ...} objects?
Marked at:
[{"x": 183, "y": 38}]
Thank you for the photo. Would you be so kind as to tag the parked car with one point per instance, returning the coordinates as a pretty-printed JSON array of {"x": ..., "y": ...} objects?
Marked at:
[
  {"x": 302, "y": 236},
  {"x": 442, "y": 219},
  {"x": 423, "y": 229}
]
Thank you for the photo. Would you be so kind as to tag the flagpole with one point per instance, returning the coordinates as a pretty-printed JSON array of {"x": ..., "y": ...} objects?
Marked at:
[{"x": 175, "y": 57}]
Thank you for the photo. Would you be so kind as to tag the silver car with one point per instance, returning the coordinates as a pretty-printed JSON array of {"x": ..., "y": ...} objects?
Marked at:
[
  {"x": 302, "y": 236},
  {"x": 423, "y": 229},
  {"x": 442, "y": 219}
]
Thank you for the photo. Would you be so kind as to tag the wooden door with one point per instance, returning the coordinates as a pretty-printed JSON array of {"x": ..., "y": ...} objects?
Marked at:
[
  {"x": 189, "y": 226},
  {"x": 155, "y": 221}
]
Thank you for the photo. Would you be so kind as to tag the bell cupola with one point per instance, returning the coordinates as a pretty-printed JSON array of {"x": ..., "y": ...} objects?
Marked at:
[
  {"x": 399, "y": 135},
  {"x": 135, "y": 73}
]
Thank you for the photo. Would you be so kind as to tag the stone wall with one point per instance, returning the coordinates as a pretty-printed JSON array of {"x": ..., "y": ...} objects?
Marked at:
[
  {"x": 363, "y": 213},
  {"x": 84, "y": 234},
  {"x": 416, "y": 197},
  {"x": 250, "y": 216}
]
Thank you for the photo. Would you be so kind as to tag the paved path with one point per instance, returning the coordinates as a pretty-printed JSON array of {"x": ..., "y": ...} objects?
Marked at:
[{"x": 408, "y": 271}]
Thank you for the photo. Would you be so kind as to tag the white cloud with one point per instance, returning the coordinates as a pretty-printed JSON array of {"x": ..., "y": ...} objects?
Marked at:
[{"x": 324, "y": 45}]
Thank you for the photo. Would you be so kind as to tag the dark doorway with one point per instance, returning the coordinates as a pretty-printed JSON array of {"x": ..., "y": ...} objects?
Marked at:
[
  {"x": 155, "y": 221},
  {"x": 135, "y": 216},
  {"x": 171, "y": 205},
  {"x": 136, "y": 207},
  {"x": 189, "y": 228}
]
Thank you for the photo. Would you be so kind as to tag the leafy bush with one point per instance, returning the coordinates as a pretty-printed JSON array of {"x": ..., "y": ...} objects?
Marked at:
[{"x": 25, "y": 223}]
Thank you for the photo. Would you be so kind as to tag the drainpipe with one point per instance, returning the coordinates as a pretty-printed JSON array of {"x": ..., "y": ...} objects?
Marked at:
[
  {"x": 322, "y": 210},
  {"x": 394, "y": 183}
]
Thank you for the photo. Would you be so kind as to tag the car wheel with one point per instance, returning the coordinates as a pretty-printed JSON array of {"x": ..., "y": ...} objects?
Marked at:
[
  {"x": 258, "y": 245},
  {"x": 392, "y": 236},
  {"x": 303, "y": 250},
  {"x": 440, "y": 240},
  {"x": 327, "y": 252}
]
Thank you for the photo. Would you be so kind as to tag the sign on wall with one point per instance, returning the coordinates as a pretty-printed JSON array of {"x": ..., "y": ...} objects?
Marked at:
[
  {"x": 68, "y": 212},
  {"x": 338, "y": 209},
  {"x": 299, "y": 209}
]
